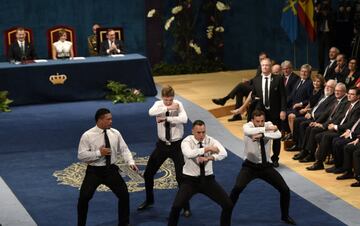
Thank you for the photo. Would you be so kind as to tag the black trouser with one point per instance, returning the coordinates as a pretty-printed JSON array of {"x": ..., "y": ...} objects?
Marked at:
[
  {"x": 352, "y": 159},
  {"x": 207, "y": 186},
  {"x": 338, "y": 145},
  {"x": 324, "y": 140},
  {"x": 157, "y": 158},
  {"x": 300, "y": 125},
  {"x": 251, "y": 171},
  {"x": 240, "y": 91},
  {"x": 96, "y": 175}
]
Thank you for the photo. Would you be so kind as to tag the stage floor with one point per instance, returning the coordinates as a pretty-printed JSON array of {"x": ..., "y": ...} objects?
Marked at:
[{"x": 201, "y": 88}]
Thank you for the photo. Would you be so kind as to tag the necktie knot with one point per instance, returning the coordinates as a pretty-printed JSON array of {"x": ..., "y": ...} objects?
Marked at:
[{"x": 200, "y": 145}]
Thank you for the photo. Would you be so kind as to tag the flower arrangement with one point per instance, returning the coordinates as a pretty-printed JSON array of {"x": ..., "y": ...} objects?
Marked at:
[
  {"x": 4, "y": 101},
  {"x": 121, "y": 94},
  {"x": 191, "y": 50}
]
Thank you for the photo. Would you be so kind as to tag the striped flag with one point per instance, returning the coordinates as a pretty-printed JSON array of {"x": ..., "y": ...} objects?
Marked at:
[{"x": 305, "y": 11}]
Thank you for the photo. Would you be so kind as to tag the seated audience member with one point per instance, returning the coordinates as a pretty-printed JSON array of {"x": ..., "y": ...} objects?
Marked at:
[
  {"x": 290, "y": 78},
  {"x": 62, "y": 49},
  {"x": 111, "y": 45},
  {"x": 352, "y": 161},
  {"x": 341, "y": 69},
  {"x": 92, "y": 42},
  {"x": 334, "y": 112},
  {"x": 335, "y": 129},
  {"x": 353, "y": 75},
  {"x": 300, "y": 95},
  {"x": 240, "y": 91},
  {"x": 21, "y": 49}
]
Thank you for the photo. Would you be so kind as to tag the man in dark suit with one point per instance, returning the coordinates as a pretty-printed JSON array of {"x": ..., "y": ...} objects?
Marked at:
[
  {"x": 336, "y": 113},
  {"x": 21, "y": 49},
  {"x": 269, "y": 94},
  {"x": 329, "y": 72},
  {"x": 290, "y": 78},
  {"x": 325, "y": 139},
  {"x": 111, "y": 45}
]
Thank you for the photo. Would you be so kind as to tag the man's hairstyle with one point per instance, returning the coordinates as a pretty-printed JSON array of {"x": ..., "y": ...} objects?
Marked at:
[
  {"x": 20, "y": 29},
  {"x": 357, "y": 90},
  {"x": 167, "y": 91},
  {"x": 263, "y": 53},
  {"x": 100, "y": 112},
  {"x": 109, "y": 30},
  {"x": 341, "y": 86},
  {"x": 336, "y": 50},
  {"x": 307, "y": 67},
  {"x": 286, "y": 63},
  {"x": 198, "y": 123},
  {"x": 257, "y": 113}
]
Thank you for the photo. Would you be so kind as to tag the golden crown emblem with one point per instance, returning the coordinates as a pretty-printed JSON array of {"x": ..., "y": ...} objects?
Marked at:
[{"x": 57, "y": 79}]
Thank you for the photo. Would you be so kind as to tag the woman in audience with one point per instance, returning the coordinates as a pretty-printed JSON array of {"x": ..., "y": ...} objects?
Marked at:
[
  {"x": 62, "y": 49},
  {"x": 318, "y": 82},
  {"x": 353, "y": 74}
]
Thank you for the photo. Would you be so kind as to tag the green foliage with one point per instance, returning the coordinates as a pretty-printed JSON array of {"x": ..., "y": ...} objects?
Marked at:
[
  {"x": 4, "y": 101},
  {"x": 187, "y": 68},
  {"x": 121, "y": 94}
]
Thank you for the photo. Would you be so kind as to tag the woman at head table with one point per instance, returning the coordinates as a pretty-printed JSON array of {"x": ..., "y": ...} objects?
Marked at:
[{"x": 62, "y": 49}]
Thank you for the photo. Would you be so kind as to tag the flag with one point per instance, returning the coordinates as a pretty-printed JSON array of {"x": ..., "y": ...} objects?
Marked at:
[
  {"x": 306, "y": 17},
  {"x": 289, "y": 21}
]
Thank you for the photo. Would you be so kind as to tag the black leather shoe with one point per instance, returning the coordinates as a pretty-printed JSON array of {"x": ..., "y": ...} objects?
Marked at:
[
  {"x": 308, "y": 158},
  {"x": 300, "y": 155},
  {"x": 331, "y": 169},
  {"x": 345, "y": 176},
  {"x": 339, "y": 170},
  {"x": 315, "y": 166},
  {"x": 235, "y": 118},
  {"x": 145, "y": 205},
  {"x": 186, "y": 213},
  {"x": 288, "y": 220},
  {"x": 356, "y": 184},
  {"x": 292, "y": 148},
  {"x": 219, "y": 101},
  {"x": 287, "y": 137},
  {"x": 275, "y": 163}
]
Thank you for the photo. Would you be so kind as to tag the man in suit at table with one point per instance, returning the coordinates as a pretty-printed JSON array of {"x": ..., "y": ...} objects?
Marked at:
[
  {"x": 270, "y": 96},
  {"x": 21, "y": 49},
  {"x": 111, "y": 45}
]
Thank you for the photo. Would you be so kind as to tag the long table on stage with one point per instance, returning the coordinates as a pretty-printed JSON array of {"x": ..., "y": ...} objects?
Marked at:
[{"x": 86, "y": 78}]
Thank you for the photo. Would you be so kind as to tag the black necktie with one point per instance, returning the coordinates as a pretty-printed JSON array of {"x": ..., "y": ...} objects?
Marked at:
[
  {"x": 301, "y": 82},
  {"x": 202, "y": 165},
  {"x": 167, "y": 128},
  {"x": 266, "y": 92},
  {"x": 263, "y": 153},
  {"x": 107, "y": 145}
]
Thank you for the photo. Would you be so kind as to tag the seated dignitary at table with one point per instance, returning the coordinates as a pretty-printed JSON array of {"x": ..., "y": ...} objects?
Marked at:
[
  {"x": 92, "y": 42},
  {"x": 200, "y": 150},
  {"x": 62, "y": 49},
  {"x": 99, "y": 148},
  {"x": 257, "y": 138},
  {"x": 111, "y": 45},
  {"x": 170, "y": 119},
  {"x": 21, "y": 49}
]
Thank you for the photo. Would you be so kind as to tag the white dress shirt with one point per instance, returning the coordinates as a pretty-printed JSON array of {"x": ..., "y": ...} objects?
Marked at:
[
  {"x": 252, "y": 148},
  {"x": 191, "y": 150},
  {"x": 93, "y": 139},
  {"x": 62, "y": 48},
  {"x": 176, "y": 119},
  {"x": 110, "y": 43}
]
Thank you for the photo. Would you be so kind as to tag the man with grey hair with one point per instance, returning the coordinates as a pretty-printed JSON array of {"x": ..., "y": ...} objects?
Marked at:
[{"x": 290, "y": 78}]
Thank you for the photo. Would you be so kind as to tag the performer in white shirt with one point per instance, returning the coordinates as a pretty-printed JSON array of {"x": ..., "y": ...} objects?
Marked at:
[
  {"x": 199, "y": 152},
  {"x": 170, "y": 117},
  {"x": 99, "y": 148},
  {"x": 257, "y": 138}
]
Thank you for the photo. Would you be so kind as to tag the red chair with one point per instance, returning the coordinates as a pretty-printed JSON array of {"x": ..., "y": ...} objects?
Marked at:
[
  {"x": 53, "y": 36},
  {"x": 10, "y": 37}
]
